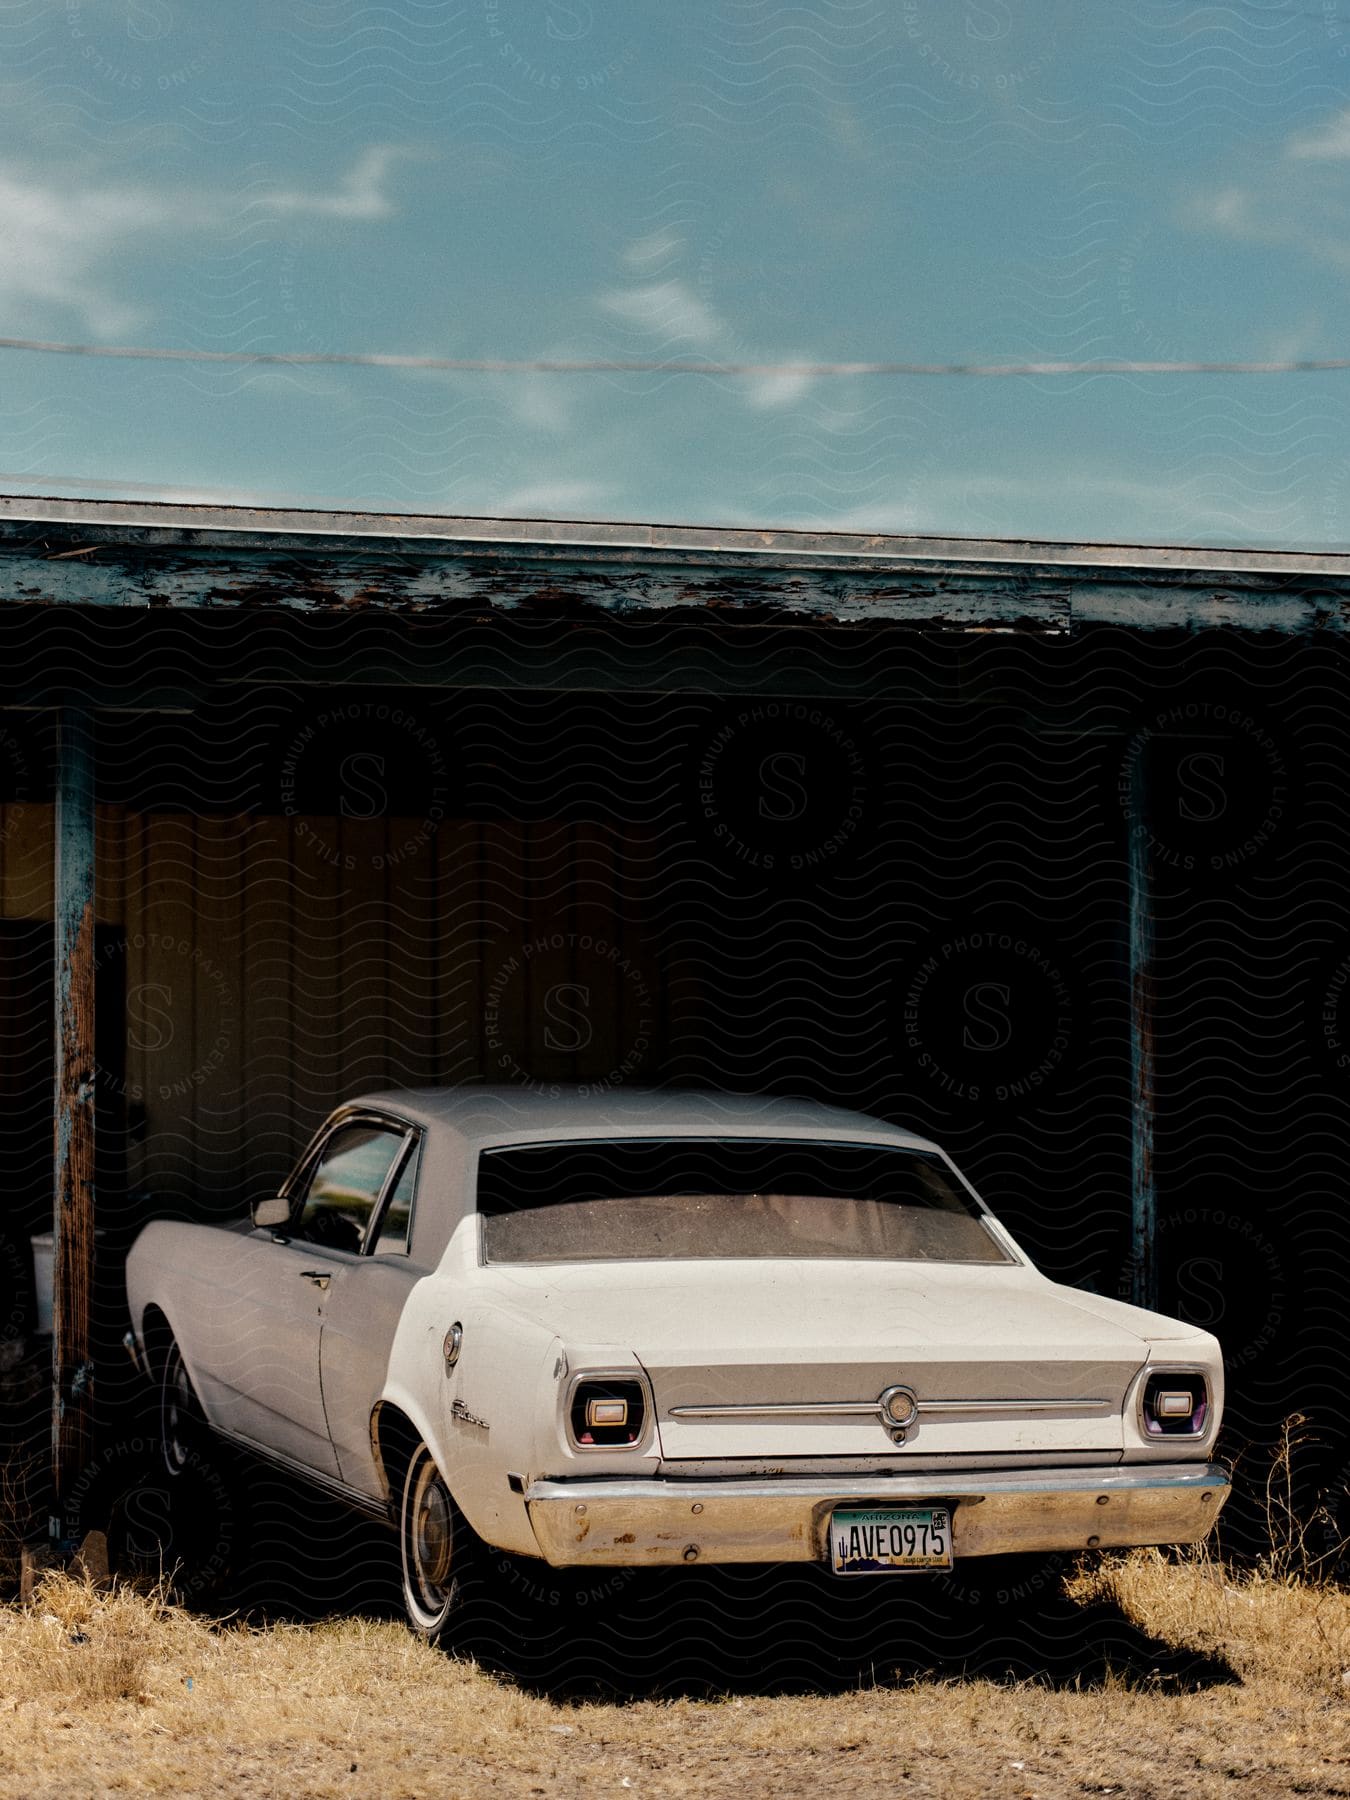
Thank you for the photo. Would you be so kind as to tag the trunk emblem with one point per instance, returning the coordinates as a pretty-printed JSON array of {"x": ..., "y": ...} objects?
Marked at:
[{"x": 898, "y": 1406}]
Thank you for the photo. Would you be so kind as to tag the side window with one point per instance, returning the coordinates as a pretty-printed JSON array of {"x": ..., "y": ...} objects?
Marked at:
[
  {"x": 345, "y": 1185},
  {"x": 397, "y": 1221}
]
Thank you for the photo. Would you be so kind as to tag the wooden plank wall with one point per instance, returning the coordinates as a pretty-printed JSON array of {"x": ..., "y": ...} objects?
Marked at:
[{"x": 274, "y": 966}]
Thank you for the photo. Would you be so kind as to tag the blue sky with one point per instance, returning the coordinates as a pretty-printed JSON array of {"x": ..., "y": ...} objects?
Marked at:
[{"x": 747, "y": 180}]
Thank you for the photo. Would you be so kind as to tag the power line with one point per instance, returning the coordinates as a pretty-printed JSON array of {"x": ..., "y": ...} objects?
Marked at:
[{"x": 669, "y": 366}]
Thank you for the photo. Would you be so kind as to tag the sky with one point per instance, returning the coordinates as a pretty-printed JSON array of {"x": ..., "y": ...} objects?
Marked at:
[{"x": 744, "y": 180}]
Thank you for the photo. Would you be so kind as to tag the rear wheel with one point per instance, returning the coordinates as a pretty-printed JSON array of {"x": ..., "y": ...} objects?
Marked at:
[
  {"x": 441, "y": 1556},
  {"x": 170, "y": 1500}
]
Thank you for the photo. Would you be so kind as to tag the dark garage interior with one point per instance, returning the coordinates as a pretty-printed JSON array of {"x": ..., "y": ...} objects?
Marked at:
[{"x": 882, "y": 862}]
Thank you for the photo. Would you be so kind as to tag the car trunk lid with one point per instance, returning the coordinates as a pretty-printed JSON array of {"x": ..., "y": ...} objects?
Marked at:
[{"x": 783, "y": 1360}]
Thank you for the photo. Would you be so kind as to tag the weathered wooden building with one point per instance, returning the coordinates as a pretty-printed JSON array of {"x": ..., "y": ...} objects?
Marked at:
[{"x": 1042, "y": 848}]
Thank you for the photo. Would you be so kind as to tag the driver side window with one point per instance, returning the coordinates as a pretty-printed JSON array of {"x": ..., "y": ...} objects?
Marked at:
[{"x": 345, "y": 1185}]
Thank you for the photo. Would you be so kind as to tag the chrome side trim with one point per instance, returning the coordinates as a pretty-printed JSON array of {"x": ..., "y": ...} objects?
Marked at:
[
  {"x": 863, "y": 1409},
  {"x": 1029, "y": 1406},
  {"x": 786, "y": 1410}
]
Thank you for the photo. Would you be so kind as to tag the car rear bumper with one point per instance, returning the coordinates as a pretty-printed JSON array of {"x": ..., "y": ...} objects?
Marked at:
[{"x": 637, "y": 1523}]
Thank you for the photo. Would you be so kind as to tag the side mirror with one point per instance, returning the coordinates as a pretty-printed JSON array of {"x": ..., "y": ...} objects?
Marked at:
[{"x": 269, "y": 1214}]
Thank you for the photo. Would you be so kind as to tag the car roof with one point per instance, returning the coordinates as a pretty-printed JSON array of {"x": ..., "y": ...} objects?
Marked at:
[{"x": 505, "y": 1115}]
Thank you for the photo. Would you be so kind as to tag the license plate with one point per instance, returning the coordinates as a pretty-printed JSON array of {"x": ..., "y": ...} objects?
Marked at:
[{"x": 883, "y": 1538}]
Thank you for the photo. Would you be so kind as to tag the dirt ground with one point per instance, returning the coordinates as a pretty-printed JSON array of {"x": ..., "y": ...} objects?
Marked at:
[{"x": 119, "y": 1694}]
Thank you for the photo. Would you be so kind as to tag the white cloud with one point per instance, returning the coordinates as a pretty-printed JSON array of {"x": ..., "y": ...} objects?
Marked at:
[
  {"x": 53, "y": 238},
  {"x": 1328, "y": 142},
  {"x": 1296, "y": 341},
  {"x": 1228, "y": 210},
  {"x": 1296, "y": 202},
  {"x": 656, "y": 247},
  {"x": 58, "y": 240},
  {"x": 1066, "y": 503},
  {"x": 667, "y": 309},
  {"x": 1306, "y": 219},
  {"x": 542, "y": 401},
  {"x": 539, "y": 499},
  {"x": 360, "y": 195},
  {"x": 767, "y": 391},
  {"x": 673, "y": 313}
]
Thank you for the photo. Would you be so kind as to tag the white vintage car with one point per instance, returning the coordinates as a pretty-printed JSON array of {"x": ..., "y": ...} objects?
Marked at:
[{"x": 669, "y": 1328}]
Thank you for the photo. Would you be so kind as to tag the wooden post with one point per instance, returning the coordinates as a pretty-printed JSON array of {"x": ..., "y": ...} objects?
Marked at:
[
  {"x": 73, "y": 1160},
  {"x": 1143, "y": 1193}
]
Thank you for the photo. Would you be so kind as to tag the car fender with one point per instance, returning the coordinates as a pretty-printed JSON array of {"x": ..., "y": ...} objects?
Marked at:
[
  {"x": 479, "y": 1413},
  {"x": 155, "y": 1279}
]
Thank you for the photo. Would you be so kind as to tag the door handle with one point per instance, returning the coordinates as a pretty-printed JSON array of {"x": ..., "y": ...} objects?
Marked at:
[{"x": 320, "y": 1277}]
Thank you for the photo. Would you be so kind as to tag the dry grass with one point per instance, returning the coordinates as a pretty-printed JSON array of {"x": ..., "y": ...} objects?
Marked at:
[
  {"x": 1276, "y": 1631},
  {"x": 18, "y": 1522},
  {"x": 121, "y": 1693}
]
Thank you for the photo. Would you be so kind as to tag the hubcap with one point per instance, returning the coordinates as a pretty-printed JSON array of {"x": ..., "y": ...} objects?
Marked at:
[
  {"x": 177, "y": 1412},
  {"x": 432, "y": 1532}
]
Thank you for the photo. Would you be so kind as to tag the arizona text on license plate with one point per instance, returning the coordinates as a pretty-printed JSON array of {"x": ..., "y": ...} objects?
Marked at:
[{"x": 883, "y": 1538}]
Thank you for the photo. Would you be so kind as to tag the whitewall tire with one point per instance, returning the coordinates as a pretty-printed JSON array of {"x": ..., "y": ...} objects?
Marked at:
[{"x": 439, "y": 1550}]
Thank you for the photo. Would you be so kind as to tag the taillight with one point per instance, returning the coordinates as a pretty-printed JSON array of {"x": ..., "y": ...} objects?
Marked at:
[
  {"x": 1174, "y": 1404},
  {"x": 607, "y": 1412}
]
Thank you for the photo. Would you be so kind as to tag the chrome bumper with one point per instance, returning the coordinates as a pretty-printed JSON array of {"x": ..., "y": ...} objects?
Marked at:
[{"x": 632, "y": 1523}]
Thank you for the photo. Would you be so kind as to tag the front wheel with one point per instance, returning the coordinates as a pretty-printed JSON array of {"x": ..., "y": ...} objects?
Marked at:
[
  {"x": 439, "y": 1550},
  {"x": 182, "y": 1424}
]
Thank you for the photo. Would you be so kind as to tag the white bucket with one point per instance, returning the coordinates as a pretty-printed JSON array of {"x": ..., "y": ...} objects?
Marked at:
[
  {"x": 44, "y": 1250},
  {"x": 44, "y": 1255}
]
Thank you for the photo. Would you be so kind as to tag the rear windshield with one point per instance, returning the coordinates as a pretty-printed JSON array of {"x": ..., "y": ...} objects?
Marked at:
[{"x": 643, "y": 1199}]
